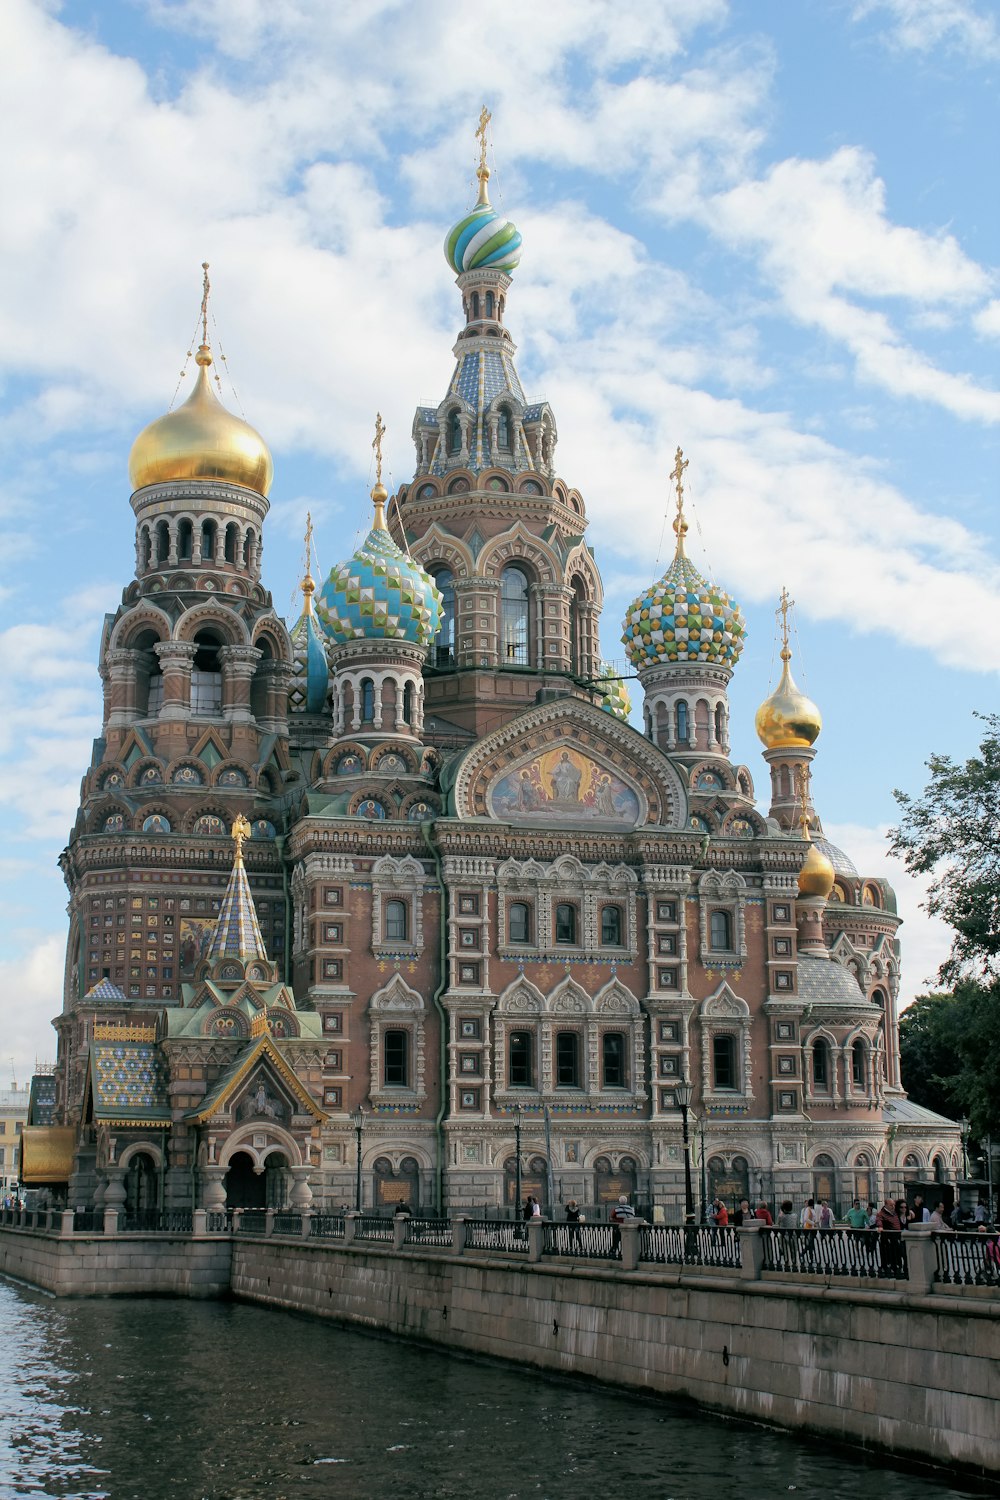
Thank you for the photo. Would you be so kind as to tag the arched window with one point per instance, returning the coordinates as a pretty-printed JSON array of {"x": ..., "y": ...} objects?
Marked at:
[
  {"x": 503, "y": 428},
  {"x": 519, "y": 1074},
  {"x": 408, "y": 703},
  {"x": 576, "y": 630},
  {"x": 249, "y": 548},
  {"x": 567, "y": 1060},
  {"x": 232, "y": 532},
  {"x": 724, "y": 1063},
  {"x": 858, "y": 1064},
  {"x": 185, "y": 540},
  {"x": 514, "y": 618},
  {"x": 821, "y": 1063},
  {"x": 206, "y": 674},
  {"x": 454, "y": 433},
  {"x": 611, "y": 926},
  {"x": 720, "y": 932},
  {"x": 395, "y": 921},
  {"x": 878, "y": 998},
  {"x": 683, "y": 723},
  {"x": 395, "y": 1059},
  {"x": 490, "y": 305},
  {"x": 209, "y": 531},
  {"x": 613, "y": 1060},
  {"x": 720, "y": 725},
  {"x": 475, "y": 306},
  {"x": 146, "y": 548},
  {"x": 519, "y": 922},
  {"x": 443, "y": 651},
  {"x": 565, "y": 923},
  {"x": 162, "y": 542},
  {"x": 367, "y": 701}
]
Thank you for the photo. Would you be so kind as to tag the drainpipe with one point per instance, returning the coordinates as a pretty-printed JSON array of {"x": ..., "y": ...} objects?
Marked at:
[{"x": 427, "y": 829}]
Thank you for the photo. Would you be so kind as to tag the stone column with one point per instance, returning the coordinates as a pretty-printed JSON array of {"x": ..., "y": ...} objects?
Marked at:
[
  {"x": 213, "y": 1192},
  {"x": 921, "y": 1258},
  {"x": 751, "y": 1251},
  {"x": 630, "y": 1243},
  {"x": 176, "y": 663},
  {"x": 121, "y": 667},
  {"x": 535, "y": 1239},
  {"x": 238, "y": 666},
  {"x": 114, "y": 1199},
  {"x": 301, "y": 1195}
]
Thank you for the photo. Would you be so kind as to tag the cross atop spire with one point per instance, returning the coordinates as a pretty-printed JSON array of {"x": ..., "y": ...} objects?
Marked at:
[
  {"x": 680, "y": 524},
  {"x": 483, "y": 171},
  {"x": 784, "y": 606},
  {"x": 804, "y": 780},
  {"x": 206, "y": 287},
  {"x": 308, "y": 582},
  {"x": 377, "y": 445}
]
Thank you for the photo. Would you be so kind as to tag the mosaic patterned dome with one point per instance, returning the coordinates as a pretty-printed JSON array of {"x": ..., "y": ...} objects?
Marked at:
[
  {"x": 616, "y": 698},
  {"x": 683, "y": 618},
  {"x": 311, "y": 670},
  {"x": 483, "y": 238},
  {"x": 379, "y": 593}
]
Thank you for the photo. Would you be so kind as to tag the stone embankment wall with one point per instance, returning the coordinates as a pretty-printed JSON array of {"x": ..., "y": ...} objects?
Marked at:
[
  {"x": 912, "y": 1373},
  {"x": 120, "y": 1265}
]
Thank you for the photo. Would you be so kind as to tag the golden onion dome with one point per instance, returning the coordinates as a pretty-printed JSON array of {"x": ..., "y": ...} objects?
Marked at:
[
  {"x": 817, "y": 874},
  {"x": 788, "y": 719},
  {"x": 201, "y": 440}
]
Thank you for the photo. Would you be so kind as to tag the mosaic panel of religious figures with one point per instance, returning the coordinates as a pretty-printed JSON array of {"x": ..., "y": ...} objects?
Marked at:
[{"x": 563, "y": 785}]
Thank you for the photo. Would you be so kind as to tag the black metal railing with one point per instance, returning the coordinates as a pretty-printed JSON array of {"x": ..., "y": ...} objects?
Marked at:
[
  {"x": 591, "y": 1241},
  {"x": 327, "y": 1226},
  {"x": 668, "y": 1245},
  {"x": 250, "y": 1221},
  {"x": 428, "y": 1232},
  {"x": 287, "y": 1224},
  {"x": 88, "y": 1221},
  {"x": 967, "y": 1259},
  {"x": 219, "y": 1221},
  {"x": 509, "y": 1236},
  {"x": 869, "y": 1253},
  {"x": 370, "y": 1227},
  {"x": 158, "y": 1221}
]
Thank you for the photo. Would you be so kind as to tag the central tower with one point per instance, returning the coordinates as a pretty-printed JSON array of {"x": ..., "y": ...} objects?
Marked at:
[{"x": 487, "y": 517}]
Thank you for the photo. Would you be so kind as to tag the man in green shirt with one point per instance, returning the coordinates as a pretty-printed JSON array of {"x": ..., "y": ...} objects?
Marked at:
[{"x": 856, "y": 1216}]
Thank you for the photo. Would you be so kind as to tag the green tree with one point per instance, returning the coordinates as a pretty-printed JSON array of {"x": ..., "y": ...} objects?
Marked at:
[{"x": 929, "y": 1057}]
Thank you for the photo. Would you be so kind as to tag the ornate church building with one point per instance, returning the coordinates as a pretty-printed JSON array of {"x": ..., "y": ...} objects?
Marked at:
[{"x": 403, "y": 879}]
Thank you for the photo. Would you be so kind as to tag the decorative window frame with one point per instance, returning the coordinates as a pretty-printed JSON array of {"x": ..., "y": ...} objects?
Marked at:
[
  {"x": 397, "y": 1007},
  {"x": 397, "y": 880},
  {"x": 722, "y": 892},
  {"x": 723, "y": 1013},
  {"x": 567, "y": 880},
  {"x": 832, "y": 1094}
]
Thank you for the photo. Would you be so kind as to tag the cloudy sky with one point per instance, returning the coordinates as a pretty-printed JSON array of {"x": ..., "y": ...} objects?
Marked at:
[{"x": 756, "y": 229}]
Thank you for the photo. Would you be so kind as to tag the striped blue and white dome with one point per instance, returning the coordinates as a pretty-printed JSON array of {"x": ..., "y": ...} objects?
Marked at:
[{"x": 482, "y": 240}]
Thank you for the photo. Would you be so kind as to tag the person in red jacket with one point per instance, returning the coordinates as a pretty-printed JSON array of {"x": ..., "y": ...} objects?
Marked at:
[{"x": 721, "y": 1213}]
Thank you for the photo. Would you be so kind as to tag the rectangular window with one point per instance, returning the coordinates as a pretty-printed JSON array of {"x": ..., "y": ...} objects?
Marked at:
[
  {"x": 613, "y": 1060},
  {"x": 520, "y": 1070},
  {"x": 519, "y": 922},
  {"x": 395, "y": 921},
  {"x": 666, "y": 911},
  {"x": 720, "y": 932},
  {"x": 565, "y": 923},
  {"x": 395, "y": 1058},
  {"x": 611, "y": 926},
  {"x": 724, "y": 1062},
  {"x": 567, "y": 1060}
]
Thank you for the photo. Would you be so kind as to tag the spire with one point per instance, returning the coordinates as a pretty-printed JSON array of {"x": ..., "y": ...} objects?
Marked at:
[
  {"x": 483, "y": 171},
  {"x": 787, "y": 719},
  {"x": 379, "y": 492},
  {"x": 308, "y": 584},
  {"x": 237, "y": 933},
  {"x": 680, "y": 524}
]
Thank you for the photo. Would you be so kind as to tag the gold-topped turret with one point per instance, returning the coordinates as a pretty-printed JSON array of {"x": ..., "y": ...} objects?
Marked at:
[
  {"x": 817, "y": 874},
  {"x": 787, "y": 719},
  {"x": 201, "y": 440}
]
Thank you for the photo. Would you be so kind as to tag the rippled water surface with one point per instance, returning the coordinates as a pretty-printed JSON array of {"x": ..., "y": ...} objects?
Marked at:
[{"x": 154, "y": 1399}]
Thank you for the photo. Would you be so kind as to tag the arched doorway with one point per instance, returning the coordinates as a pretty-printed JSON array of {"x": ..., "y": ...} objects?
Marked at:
[
  {"x": 141, "y": 1191},
  {"x": 729, "y": 1183},
  {"x": 397, "y": 1185},
  {"x": 864, "y": 1179},
  {"x": 245, "y": 1187},
  {"x": 825, "y": 1181}
]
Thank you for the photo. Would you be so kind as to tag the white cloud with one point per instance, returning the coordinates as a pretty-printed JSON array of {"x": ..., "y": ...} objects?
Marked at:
[
  {"x": 34, "y": 974},
  {"x": 987, "y": 320},
  {"x": 932, "y": 25}
]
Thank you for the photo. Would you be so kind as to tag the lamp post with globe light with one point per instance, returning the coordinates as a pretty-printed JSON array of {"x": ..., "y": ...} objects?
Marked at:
[
  {"x": 358, "y": 1121},
  {"x": 683, "y": 1095}
]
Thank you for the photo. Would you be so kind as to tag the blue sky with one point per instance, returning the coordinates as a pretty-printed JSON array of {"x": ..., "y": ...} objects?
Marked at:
[{"x": 758, "y": 230}]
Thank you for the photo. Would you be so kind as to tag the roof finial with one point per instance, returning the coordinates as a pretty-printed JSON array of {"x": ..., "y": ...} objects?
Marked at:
[
  {"x": 204, "y": 355},
  {"x": 804, "y": 779},
  {"x": 483, "y": 171},
  {"x": 680, "y": 525},
  {"x": 785, "y": 605},
  {"x": 308, "y": 583},
  {"x": 240, "y": 833},
  {"x": 379, "y": 492}
]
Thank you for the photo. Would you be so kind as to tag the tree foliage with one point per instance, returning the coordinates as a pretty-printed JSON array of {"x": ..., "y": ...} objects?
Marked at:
[{"x": 949, "y": 1054}]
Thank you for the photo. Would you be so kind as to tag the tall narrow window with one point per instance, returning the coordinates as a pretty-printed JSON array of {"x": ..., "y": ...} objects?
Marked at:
[
  {"x": 519, "y": 922},
  {"x": 395, "y": 921},
  {"x": 724, "y": 1062},
  {"x": 367, "y": 701},
  {"x": 567, "y": 1060},
  {"x": 185, "y": 540},
  {"x": 396, "y": 1058},
  {"x": 720, "y": 932},
  {"x": 821, "y": 1063},
  {"x": 443, "y": 650},
  {"x": 720, "y": 725},
  {"x": 490, "y": 304},
  {"x": 162, "y": 541},
  {"x": 858, "y": 1069},
  {"x": 454, "y": 434},
  {"x": 475, "y": 307},
  {"x": 613, "y": 1060},
  {"x": 408, "y": 703},
  {"x": 565, "y": 923},
  {"x": 514, "y": 617},
  {"x": 503, "y": 429},
  {"x": 611, "y": 926},
  {"x": 520, "y": 1071},
  {"x": 206, "y": 675},
  {"x": 683, "y": 730}
]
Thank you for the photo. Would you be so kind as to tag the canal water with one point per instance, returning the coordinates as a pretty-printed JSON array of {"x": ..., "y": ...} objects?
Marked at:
[{"x": 142, "y": 1399}]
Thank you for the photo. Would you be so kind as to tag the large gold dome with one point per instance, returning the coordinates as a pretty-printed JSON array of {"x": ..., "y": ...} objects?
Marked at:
[
  {"x": 201, "y": 440},
  {"x": 817, "y": 874},
  {"x": 788, "y": 719}
]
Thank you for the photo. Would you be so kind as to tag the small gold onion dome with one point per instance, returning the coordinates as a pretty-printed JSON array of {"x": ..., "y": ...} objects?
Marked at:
[
  {"x": 817, "y": 874},
  {"x": 201, "y": 440},
  {"x": 788, "y": 719}
]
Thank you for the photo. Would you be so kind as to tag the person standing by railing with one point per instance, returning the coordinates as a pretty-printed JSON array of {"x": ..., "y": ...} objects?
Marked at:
[
  {"x": 890, "y": 1237},
  {"x": 763, "y": 1213},
  {"x": 857, "y": 1217},
  {"x": 786, "y": 1216}
]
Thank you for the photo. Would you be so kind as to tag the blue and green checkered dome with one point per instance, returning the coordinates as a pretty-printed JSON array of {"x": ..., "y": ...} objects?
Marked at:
[
  {"x": 311, "y": 670},
  {"x": 483, "y": 239},
  {"x": 683, "y": 618},
  {"x": 379, "y": 594}
]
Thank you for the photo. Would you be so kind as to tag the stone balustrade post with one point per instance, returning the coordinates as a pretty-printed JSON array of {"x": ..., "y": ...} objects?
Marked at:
[
  {"x": 536, "y": 1231},
  {"x": 350, "y": 1226},
  {"x": 398, "y": 1232},
  {"x": 237, "y": 1219},
  {"x": 921, "y": 1258},
  {"x": 630, "y": 1243},
  {"x": 199, "y": 1221},
  {"x": 307, "y": 1217},
  {"x": 458, "y": 1234},
  {"x": 66, "y": 1221},
  {"x": 110, "y": 1221},
  {"x": 751, "y": 1251},
  {"x": 268, "y": 1222}
]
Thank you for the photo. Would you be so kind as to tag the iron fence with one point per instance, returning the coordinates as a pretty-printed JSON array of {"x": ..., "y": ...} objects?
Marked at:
[
  {"x": 506, "y": 1235},
  {"x": 836, "y": 1252},
  {"x": 327, "y": 1226},
  {"x": 593, "y": 1241},
  {"x": 370, "y": 1227},
  {"x": 428, "y": 1232},
  {"x": 968, "y": 1259},
  {"x": 287, "y": 1224},
  {"x": 250, "y": 1221}
]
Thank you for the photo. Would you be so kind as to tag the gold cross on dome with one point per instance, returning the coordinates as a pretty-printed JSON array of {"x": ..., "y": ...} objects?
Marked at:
[
  {"x": 206, "y": 287},
  {"x": 782, "y": 610},
  {"x": 309, "y": 539},
  {"x": 484, "y": 119},
  {"x": 804, "y": 779},
  {"x": 377, "y": 445},
  {"x": 677, "y": 475},
  {"x": 240, "y": 834}
]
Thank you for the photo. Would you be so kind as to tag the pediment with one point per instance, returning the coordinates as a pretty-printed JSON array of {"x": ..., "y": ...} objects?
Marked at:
[{"x": 569, "y": 765}]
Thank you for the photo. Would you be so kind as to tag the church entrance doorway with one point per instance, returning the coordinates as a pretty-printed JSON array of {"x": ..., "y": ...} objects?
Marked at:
[
  {"x": 141, "y": 1195},
  {"x": 245, "y": 1187},
  {"x": 533, "y": 1181},
  {"x": 731, "y": 1183}
]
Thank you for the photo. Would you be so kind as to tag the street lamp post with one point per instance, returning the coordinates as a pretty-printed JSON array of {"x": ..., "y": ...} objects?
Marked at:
[
  {"x": 516, "y": 1112},
  {"x": 963, "y": 1126},
  {"x": 549, "y": 1178},
  {"x": 358, "y": 1121},
  {"x": 683, "y": 1094}
]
